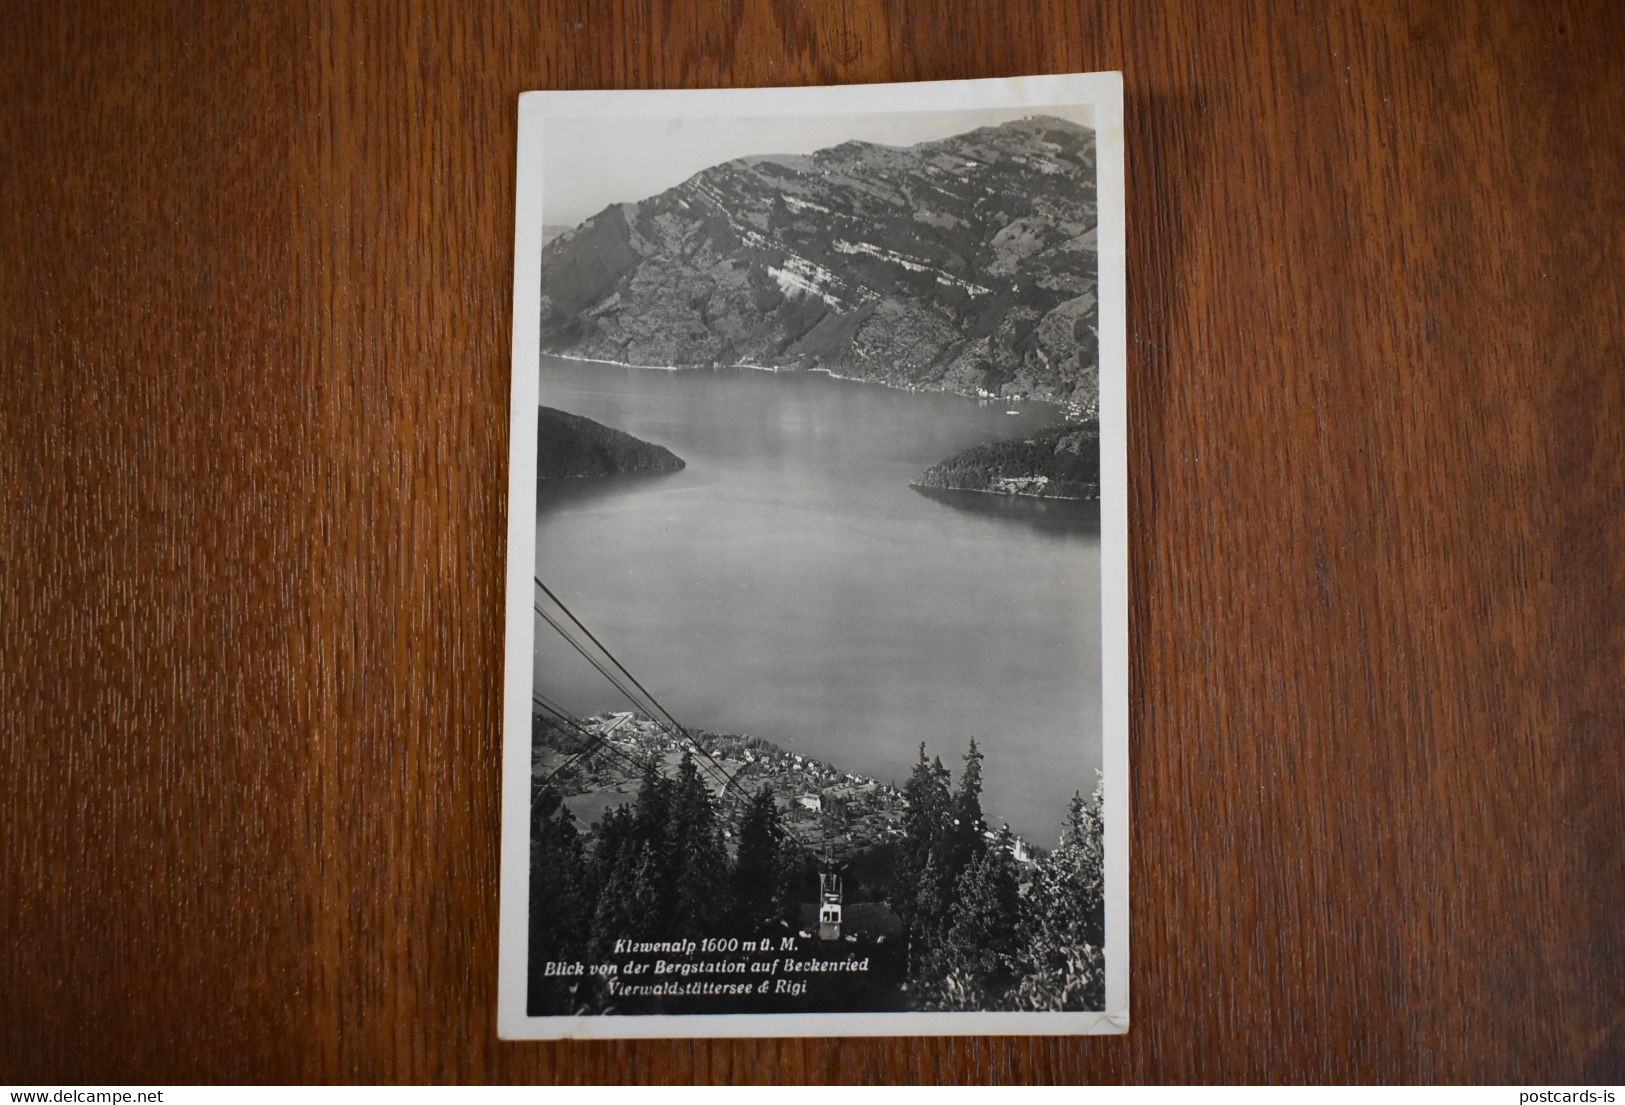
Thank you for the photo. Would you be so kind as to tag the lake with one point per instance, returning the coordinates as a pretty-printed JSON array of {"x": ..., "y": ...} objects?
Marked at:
[{"x": 790, "y": 584}]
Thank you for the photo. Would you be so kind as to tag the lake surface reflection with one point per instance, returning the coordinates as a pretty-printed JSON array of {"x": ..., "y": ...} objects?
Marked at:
[{"x": 789, "y": 583}]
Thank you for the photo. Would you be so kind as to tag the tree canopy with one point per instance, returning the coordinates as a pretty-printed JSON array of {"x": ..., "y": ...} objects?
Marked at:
[{"x": 984, "y": 924}]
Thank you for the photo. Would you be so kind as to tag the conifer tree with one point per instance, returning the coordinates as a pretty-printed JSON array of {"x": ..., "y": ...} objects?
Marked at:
[
  {"x": 615, "y": 832},
  {"x": 645, "y": 878},
  {"x": 628, "y": 901},
  {"x": 796, "y": 882},
  {"x": 560, "y": 898},
  {"x": 971, "y": 961},
  {"x": 922, "y": 845},
  {"x": 1063, "y": 963},
  {"x": 982, "y": 938},
  {"x": 630, "y": 877},
  {"x": 965, "y": 833},
  {"x": 756, "y": 877},
  {"x": 653, "y": 807},
  {"x": 696, "y": 860}
]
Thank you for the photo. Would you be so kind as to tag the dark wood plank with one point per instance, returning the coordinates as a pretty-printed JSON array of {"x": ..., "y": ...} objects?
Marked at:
[{"x": 256, "y": 302}]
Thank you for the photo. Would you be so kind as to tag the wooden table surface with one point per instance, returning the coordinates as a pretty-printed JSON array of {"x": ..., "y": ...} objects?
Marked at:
[{"x": 255, "y": 294}]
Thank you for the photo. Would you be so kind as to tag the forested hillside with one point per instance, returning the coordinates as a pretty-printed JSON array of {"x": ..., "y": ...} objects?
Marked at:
[
  {"x": 984, "y": 924},
  {"x": 569, "y": 445},
  {"x": 1062, "y": 462}
]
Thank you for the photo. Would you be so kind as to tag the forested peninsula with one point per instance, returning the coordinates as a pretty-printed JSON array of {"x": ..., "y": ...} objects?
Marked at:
[
  {"x": 568, "y": 445},
  {"x": 1061, "y": 462}
]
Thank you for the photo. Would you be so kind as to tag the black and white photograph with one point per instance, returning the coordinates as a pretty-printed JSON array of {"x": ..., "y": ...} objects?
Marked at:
[{"x": 816, "y": 717}]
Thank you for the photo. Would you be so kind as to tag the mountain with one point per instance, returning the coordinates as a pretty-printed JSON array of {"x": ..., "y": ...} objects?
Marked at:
[
  {"x": 965, "y": 264},
  {"x": 1061, "y": 462},
  {"x": 570, "y": 445}
]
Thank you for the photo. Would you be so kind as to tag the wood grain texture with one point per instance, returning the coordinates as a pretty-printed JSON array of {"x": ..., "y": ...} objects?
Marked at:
[{"x": 252, "y": 491}]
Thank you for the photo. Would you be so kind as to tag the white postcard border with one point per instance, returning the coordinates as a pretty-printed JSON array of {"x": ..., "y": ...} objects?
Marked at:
[{"x": 1104, "y": 91}]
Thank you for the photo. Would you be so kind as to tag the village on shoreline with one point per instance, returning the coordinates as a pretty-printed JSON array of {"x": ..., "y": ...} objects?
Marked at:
[
  {"x": 1073, "y": 410},
  {"x": 830, "y": 811}
]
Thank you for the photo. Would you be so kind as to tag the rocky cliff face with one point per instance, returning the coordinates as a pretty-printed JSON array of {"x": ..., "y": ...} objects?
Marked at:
[{"x": 966, "y": 264}]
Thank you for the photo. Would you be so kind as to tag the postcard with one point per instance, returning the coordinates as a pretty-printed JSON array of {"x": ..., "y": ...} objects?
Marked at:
[{"x": 816, "y": 713}]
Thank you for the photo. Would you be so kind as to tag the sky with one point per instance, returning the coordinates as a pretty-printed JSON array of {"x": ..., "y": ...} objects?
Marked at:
[{"x": 588, "y": 164}]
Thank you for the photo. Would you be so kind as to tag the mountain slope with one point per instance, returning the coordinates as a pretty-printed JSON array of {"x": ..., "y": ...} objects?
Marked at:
[
  {"x": 965, "y": 264},
  {"x": 569, "y": 445}
]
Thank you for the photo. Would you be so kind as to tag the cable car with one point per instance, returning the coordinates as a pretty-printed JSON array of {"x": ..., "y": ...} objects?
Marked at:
[{"x": 829, "y": 905}]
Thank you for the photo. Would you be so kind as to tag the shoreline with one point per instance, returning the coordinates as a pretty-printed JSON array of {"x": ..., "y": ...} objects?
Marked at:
[
  {"x": 878, "y": 803},
  {"x": 1004, "y": 494},
  {"x": 1065, "y": 408}
]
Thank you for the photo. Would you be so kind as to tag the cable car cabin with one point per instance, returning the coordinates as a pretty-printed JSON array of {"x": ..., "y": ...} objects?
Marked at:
[{"x": 829, "y": 906}]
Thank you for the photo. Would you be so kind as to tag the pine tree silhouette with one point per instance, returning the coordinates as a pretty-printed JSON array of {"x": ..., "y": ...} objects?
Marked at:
[{"x": 755, "y": 882}]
